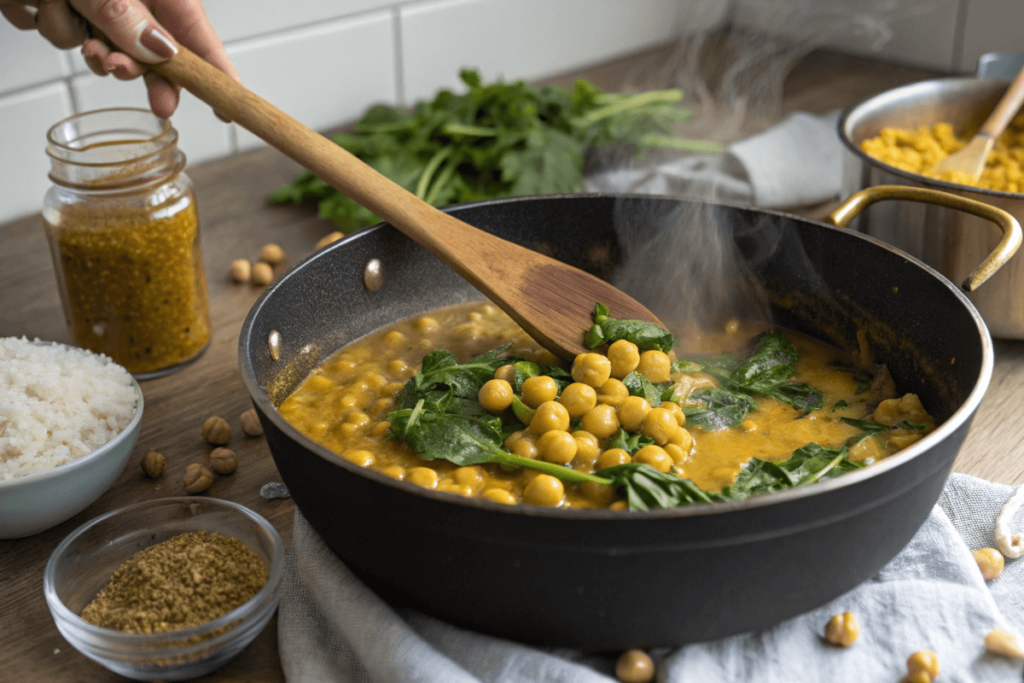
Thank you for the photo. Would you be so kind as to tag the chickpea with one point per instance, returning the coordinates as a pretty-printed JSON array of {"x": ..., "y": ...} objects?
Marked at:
[
  {"x": 634, "y": 666},
  {"x": 544, "y": 490},
  {"x": 394, "y": 338},
  {"x": 425, "y": 324},
  {"x": 599, "y": 494},
  {"x": 611, "y": 458},
  {"x": 591, "y": 368},
  {"x": 471, "y": 476},
  {"x": 499, "y": 496},
  {"x": 842, "y": 629},
  {"x": 223, "y": 460},
  {"x": 422, "y": 476},
  {"x": 678, "y": 455},
  {"x": 587, "y": 447},
  {"x": 624, "y": 357},
  {"x": 578, "y": 398},
  {"x": 240, "y": 270},
  {"x": 272, "y": 254},
  {"x": 632, "y": 413},
  {"x": 550, "y": 415},
  {"x": 683, "y": 439},
  {"x": 153, "y": 464},
  {"x": 329, "y": 238},
  {"x": 251, "y": 423},
  {"x": 397, "y": 367},
  {"x": 619, "y": 506},
  {"x": 660, "y": 425},
  {"x": 655, "y": 456},
  {"x": 395, "y": 472},
  {"x": 495, "y": 395},
  {"x": 601, "y": 421},
  {"x": 923, "y": 660},
  {"x": 612, "y": 393},
  {"x": 361, "y": 457},
  {"x": 525, "y": 447},
  {"x": 262, "y": 274},
  {"x": 557, "y": 446},
  {"x": 197, "y": 478},
  {"x": 655, "y": 366},
  {"x": 216, "y": 430},
  {"x": 357, "y": 418},
  {"x": 1001, "y": 642},
  {"x": 513, "y": 437},
  {"x": 506, "y": 372},
  {"x": 990, "y": 562},
  {"x": 380, "y": 429},
  {"x": 537, "y": 390},
  {"x": 676, "y": 410}
]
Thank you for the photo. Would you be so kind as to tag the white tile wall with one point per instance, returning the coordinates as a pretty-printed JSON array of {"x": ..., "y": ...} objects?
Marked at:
[
  {"x": 24, "y": 119},
  {"x": 238, "y": 19},
  {"x": 522, "y": 38},
  {"x": 322, "y": 75},
  {"x": 37, "y": 61}
]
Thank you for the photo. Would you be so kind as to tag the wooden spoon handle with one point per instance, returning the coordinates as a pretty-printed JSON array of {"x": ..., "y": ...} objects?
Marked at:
[
  {"x": 1007, "y": 108},
  {"x": 434, "y": 229}
]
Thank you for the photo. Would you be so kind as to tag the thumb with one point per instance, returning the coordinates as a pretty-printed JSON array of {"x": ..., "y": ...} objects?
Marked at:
[{"x": 130, "y": 26}]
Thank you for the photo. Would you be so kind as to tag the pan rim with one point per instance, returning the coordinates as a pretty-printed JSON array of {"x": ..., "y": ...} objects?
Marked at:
[{"x": 918, "y": 449}]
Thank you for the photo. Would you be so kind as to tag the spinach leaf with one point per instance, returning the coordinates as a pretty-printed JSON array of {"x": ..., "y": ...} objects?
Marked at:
[
  {"x": 872, "y": 428},
  {"x": 639, "y": 385},
  {"x": 772, "y": 363},
  {"x": 560, "y": 375},
  {"x": 801, "y": 396},
  {"x": 442, "y": 368},
  {"x": 646, "y": 488},
  {"x": 630, "y": 443},
  {"x": 720, "y": 408},
  {"x": 524, "y": 371},
  {"x": 607, "y": 330},
  {"x": 840, "y": 404}
]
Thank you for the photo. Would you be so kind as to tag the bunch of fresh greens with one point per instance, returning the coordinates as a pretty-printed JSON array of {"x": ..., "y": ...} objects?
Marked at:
[
  {"x": 497, "y": 140},
  {"x": 765, "y": 373}
]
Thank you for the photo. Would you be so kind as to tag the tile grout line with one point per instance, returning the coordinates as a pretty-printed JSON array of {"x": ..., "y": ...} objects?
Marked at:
[{"x": 396, "y": 22}]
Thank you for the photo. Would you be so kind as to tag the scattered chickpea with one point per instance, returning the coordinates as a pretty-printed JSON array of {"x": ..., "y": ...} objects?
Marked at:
[
  {"x": 330, "y": 238},
  {"x": 216, "y": 430},
  {"x": 251, "y": 423},
  {"x": 223, "y": 460},
  {"x": 272, "y": 254},
  {"x": 240, "y": 270},
  {"x": 842, "y": 629},
  {"x": 990, "y": 562},
  {"x": 197, "y": 479},
  {"x": 634, "y": 666},
  {"x": 153, "y": 464},
  {"x": 923, "y": 661},
  {"x": 262, "y": 274},
  {"x": 1001, "y": 642}
]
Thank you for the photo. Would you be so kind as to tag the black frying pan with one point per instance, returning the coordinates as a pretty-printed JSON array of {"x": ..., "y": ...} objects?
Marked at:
[{"x": 602, "y": 580}]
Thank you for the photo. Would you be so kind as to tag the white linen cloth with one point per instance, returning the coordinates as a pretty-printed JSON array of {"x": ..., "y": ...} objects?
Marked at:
[{"x": 930, "y": 596}]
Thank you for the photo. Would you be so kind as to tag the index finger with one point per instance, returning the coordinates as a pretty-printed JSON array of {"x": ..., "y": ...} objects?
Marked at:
[{"x": 188, "y": 23}]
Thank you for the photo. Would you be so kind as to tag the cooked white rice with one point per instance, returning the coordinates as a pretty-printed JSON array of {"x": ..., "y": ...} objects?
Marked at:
[{"x": 57, "y": 403}]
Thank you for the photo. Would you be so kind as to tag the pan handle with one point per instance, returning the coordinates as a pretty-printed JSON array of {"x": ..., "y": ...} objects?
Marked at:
[{"x": 1006, "y": 248}]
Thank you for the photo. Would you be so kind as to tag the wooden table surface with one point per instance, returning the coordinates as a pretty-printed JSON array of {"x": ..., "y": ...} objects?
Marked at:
[{"x": 236, "y": 221}]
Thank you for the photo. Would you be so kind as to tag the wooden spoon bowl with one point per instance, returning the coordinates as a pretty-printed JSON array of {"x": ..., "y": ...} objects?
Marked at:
[{"x": 550, "y": 300}]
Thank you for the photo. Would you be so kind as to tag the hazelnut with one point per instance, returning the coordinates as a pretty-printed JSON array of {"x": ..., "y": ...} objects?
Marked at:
[
  {"x": 223, "y": 461},
  {"x": 216, "y": 430},
  {"x": 251, "y": 423},
  {"x": 153, "y": 464},
  {"x": 990, "y": 562},
  {"x": 240, "y": 270},
  {"x": 262, "y": 274},
  {"x": 197, "y": 479},
  {"x": 1001, "y": 642},
  {"x": 329, "y": 239},
  {"x": 272, "y": 254},
  {"x": 842, "y": 629}
]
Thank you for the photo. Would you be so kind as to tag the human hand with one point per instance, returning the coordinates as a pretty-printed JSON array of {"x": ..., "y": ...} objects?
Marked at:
[{"x": 144, "y": 32}]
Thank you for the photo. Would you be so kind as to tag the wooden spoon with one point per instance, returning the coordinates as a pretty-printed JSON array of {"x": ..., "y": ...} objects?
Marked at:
[
  {"x": 972, "y": 157},
  {"x": 550, "y": 300}
]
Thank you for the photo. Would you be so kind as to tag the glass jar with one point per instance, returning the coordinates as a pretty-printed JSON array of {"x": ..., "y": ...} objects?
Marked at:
[{"x": 123, "y": 230}]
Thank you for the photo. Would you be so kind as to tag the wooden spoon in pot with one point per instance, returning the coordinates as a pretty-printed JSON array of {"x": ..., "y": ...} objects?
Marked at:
[
  {"x": 550, "y": 300},
  {"x": 971, "y": 157}
]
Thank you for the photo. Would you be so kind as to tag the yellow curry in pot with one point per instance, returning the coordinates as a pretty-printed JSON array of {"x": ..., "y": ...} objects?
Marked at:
[{"x": 461, "y": 400}]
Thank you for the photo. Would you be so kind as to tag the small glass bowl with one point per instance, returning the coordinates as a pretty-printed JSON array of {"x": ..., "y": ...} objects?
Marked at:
[{"x": 84, "y": 562}]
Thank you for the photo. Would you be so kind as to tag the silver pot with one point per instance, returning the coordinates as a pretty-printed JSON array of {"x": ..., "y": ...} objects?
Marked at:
[{"x": 950, "y": 241}]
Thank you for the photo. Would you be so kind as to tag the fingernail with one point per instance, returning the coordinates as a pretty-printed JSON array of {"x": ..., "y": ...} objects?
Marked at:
[
  {"x": 120, "y": 71},
  {"x": 154, "y": 40},
  {"x": 222, "y": 118}
]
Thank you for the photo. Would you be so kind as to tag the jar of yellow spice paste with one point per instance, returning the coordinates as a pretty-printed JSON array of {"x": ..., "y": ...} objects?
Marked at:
[{"x": 124, "y": 234}]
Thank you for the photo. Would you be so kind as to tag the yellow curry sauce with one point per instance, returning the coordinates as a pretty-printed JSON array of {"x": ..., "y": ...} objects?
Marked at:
[{"x": 345, "y": 402}]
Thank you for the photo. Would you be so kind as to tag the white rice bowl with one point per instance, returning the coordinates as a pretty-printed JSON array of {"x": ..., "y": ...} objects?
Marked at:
[{"x": 57, "y": 403}]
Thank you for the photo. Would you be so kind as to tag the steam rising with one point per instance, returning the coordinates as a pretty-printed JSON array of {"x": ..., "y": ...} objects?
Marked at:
[{"x": 683, "y": 264}]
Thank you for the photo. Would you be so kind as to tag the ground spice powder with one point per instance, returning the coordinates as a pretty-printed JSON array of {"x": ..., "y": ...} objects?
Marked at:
[
  {"x": 133, "y": 282},
  {"x": 185, "y": 581}
]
